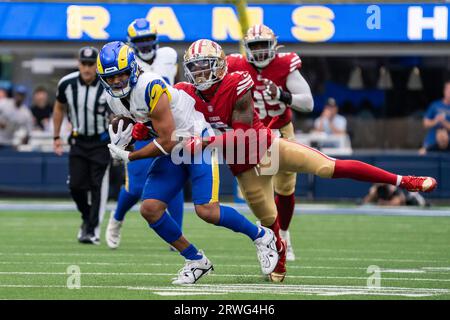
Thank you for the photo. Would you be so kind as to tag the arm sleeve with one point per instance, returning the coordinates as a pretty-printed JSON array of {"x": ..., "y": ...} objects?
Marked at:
[
  {"x": 302, "y": 99},
  {"x": 60, "y": 94}
]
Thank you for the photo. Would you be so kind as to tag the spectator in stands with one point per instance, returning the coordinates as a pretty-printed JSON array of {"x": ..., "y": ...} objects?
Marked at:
[
  {"x": 14, "y": 120},
  {"x": 3, "y": 93},
  {"x": 389, "y": 195},
  {"x": 330, "y": 121},
  {"x": 442, "y": 142},
  {"x": 437, "y": 116},
  {"x": 20, "y": 94},
  {"x": 41, "y": 108}
]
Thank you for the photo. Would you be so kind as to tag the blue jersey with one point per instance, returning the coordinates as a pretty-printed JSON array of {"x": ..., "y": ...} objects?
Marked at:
[{"x": 435, "y": 108}]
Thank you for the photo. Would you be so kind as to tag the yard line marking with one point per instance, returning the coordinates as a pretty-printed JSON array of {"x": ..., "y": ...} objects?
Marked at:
[
  {"x": 218, "y": 289},
  {"x": 419, "y": 270},
  {"x": 219, "y": 256},
  {"x": 213, "y": 275},
  {"x": 181, "y": 293}
]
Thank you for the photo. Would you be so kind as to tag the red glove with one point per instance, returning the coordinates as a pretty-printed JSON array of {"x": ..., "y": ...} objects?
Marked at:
[{"x": 140, "y": 131}]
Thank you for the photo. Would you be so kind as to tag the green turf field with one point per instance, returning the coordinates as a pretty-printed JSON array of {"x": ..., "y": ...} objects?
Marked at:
[{"x": 334, "y": 252}]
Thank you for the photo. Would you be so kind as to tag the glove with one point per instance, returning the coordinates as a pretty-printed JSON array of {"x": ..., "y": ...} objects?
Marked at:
[
  {"x": 272, "y": 92},
  {"x": 122, "y": 138},
  {"x": 140, "y": 131},
  {"x": 118, "y": 153}
]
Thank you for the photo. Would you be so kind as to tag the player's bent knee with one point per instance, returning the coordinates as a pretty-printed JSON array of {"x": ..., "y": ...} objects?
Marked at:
[
  {"x": 286, "y": 186},
  {"x": 151, "y": 210},
  {"x": 325, "y": 171},
  {"x": 209, "y": 212}
]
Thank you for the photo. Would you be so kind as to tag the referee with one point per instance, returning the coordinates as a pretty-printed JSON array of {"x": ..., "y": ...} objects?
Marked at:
[{"x": 80, "y": 95}]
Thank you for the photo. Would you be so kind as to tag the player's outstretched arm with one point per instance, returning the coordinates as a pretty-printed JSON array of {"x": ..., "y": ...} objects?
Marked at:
[{"x": 164, "y": 125}]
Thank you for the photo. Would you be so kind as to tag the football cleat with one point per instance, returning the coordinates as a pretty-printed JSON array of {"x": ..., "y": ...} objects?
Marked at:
[
  {"x": 82, "y": 231},
  {"x": 266, "y": 251},
  {"x": 422, "y": 184},
  {"x": 89, "y": 239},
  {"x": 279, "y": 273},
  {"x": 290, "y": 255},
  {"x": 113, "y": 232},
  {"x": 193, "y": 270}
]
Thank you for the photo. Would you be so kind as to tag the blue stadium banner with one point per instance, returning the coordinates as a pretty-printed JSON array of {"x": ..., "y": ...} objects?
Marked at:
[{"x": 188, "y": 22}]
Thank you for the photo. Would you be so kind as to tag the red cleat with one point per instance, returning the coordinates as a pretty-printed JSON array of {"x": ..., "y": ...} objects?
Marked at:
[
  {"x": 422, "y": 184},
  {"x": 279, "y": 273}
]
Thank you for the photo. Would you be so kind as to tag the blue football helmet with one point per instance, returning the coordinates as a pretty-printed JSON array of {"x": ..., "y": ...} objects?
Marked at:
[
  {"x": 117, "y": 58},
  {"x": 143, "y": 38}
]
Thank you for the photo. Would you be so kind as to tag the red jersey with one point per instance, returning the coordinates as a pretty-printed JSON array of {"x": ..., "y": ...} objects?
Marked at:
[
  {"x": 277, "y": 71},
  {"x": 218, "y": 112}
]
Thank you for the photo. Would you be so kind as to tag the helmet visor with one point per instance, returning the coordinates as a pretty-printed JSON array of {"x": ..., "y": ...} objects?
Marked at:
[
  {"x": 117, "y": 84},
  {"x": 146, "y": 45},
  {"x": 200, "y": 70}
]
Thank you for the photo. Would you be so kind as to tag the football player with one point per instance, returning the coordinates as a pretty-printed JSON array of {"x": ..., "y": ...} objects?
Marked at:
[
  {"x": 226, "y": 101},
  {"x": 278, "y": 88},
  {"x": 142, "y": 36},
  {"x": 146, "y": 98}
]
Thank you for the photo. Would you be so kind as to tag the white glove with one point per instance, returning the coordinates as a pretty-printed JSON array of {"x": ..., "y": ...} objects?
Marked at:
[
  {"x": 267, "y": 93},
  {"x": 121, "y": 138},
  {"x": 118, "y": 153}
]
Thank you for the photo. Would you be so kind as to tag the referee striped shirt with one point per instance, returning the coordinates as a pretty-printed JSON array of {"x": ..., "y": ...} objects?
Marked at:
[{"x": 87, "y": 110}]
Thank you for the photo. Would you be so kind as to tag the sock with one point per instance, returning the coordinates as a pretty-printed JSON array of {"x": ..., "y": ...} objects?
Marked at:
[
  {"x": 361, "y": 171},
  {"x": 285, "y": 208},
  {"x": 191, "y": 253},
  {"x": 276, "y": 230},
  {"x": 233, "y": 220},
  {"x": 175, "y": 209},
  {"x": 125, "y": 202},
  {"x": 167, "y": 228}
]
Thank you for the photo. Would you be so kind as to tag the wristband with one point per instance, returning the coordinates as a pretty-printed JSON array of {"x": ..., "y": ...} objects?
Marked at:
[
  {"x": 56, "y": 138},
  {"x": 160, "y": 147},
  {"x": 286, "y": 97}
]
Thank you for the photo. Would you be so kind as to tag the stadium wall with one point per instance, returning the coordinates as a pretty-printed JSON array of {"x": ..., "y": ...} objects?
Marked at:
[{"x": 45, "y": 174}]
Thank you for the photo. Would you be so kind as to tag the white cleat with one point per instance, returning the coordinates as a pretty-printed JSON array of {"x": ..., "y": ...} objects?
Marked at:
[
  {"x": 193, "y": 270},
  {"x": 113, "y": 232},
  {"x": 290, "y": 255},
  {"x": 266, "y": 250}
]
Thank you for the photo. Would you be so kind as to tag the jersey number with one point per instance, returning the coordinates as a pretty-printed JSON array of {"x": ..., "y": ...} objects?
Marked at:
[{"x": 260, "y": 105}]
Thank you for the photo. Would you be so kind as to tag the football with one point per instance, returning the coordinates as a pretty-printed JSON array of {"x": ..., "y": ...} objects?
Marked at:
[{"x": 126, "y": 122}]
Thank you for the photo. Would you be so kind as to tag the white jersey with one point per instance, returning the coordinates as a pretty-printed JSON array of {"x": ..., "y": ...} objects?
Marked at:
[
  {"x": 164, "y": 64},
  {"x": 13, "y": 119},
  {"x": 144, "y": 97}
]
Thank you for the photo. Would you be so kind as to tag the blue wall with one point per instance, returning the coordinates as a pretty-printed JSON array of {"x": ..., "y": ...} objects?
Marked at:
[{"x": 44, "y": 173}]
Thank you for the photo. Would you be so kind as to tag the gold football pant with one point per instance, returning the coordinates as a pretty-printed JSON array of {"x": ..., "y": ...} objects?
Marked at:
[
  {"x": 284, "y": 181},
  {"x": 257, "y": 184}
]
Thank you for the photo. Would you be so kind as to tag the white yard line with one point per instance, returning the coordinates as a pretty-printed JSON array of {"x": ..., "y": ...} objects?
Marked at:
[
  {"x": 30, "y": 273},
  {"x": 443, "y": 270},
  {"x": 199, "y": 289},
  {"x": 148, "y": 254}
]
